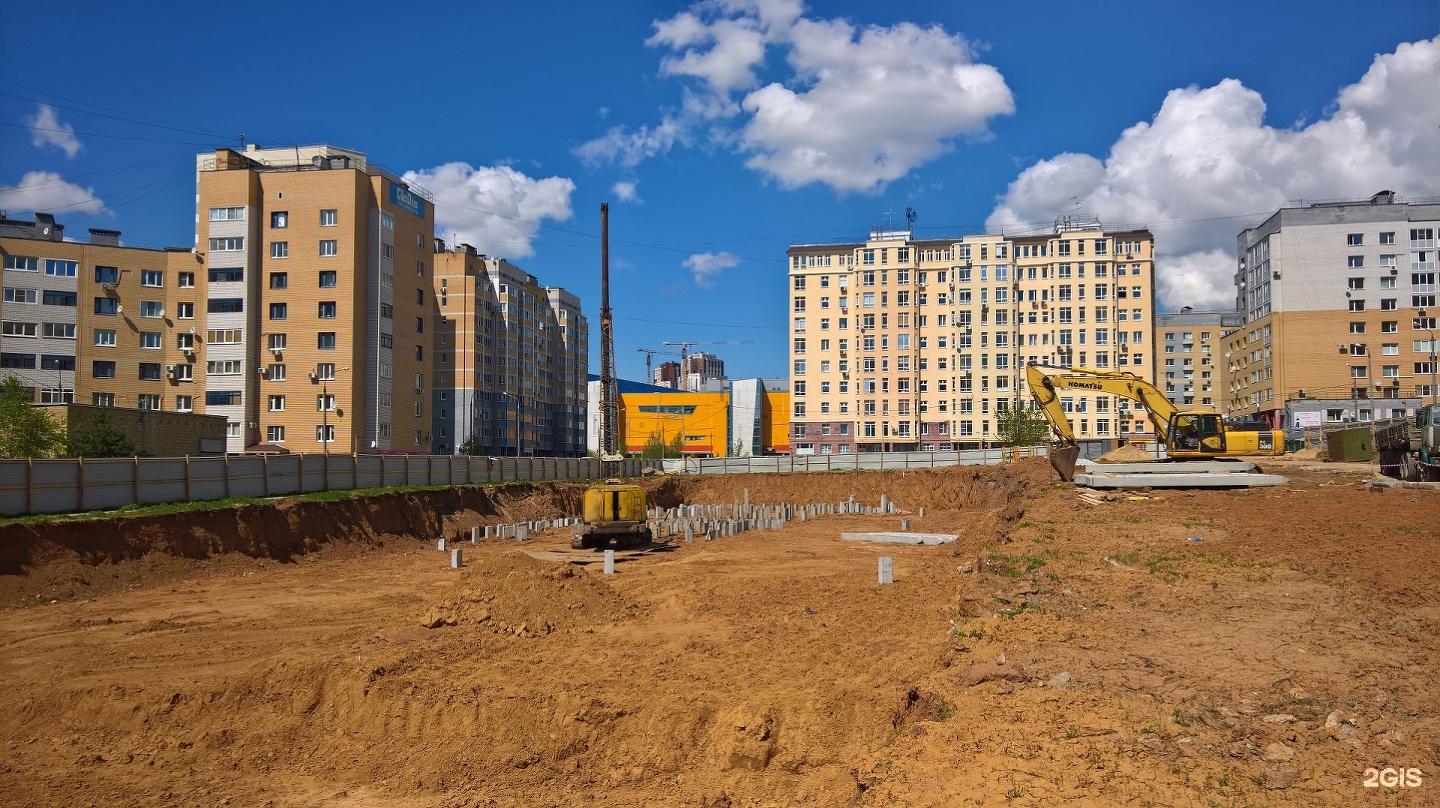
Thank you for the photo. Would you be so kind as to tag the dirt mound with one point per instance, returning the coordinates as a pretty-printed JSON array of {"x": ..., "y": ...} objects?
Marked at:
[
  {"x": 516, "y": 594},
  {"x": 1307, "y": 454},
  {"x": 1126, "y": 454}
]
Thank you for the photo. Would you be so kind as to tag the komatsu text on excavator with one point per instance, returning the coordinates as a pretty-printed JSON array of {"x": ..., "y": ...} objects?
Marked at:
[{"x": 1190, "y": 434}]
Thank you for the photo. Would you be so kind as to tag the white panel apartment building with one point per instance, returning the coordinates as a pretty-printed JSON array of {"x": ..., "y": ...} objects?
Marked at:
[{"x": 901, "y": 345}]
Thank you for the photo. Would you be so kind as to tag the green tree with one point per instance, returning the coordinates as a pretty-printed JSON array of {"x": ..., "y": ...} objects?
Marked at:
[
  {"x": 654, "y": 447},
  {"x": 98, "y": 436},
  {"x": 25, "y": 430},
  {"x": 473, "y": 446},
  {"x": 1020, "y": 426}
]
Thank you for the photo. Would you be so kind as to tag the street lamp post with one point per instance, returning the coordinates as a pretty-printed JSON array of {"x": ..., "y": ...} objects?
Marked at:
[
  {"x": 506, "y": 397},
  {"x": 1430, "y": 332}
]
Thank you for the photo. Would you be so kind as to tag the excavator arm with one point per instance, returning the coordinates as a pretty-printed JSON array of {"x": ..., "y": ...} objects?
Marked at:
[{"x": 1066, "y": 451}]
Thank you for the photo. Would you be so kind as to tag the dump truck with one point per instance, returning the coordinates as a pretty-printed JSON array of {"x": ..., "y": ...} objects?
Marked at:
[{"x": 1409, "y": 448}]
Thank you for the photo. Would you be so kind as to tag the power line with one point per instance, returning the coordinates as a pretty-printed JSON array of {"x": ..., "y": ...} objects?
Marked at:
[
  {"x": 126, "y": 117},
  {"x": 112, "y": 137}
]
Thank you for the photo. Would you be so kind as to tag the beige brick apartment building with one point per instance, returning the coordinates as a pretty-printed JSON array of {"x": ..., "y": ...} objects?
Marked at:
[{"x": 902, "y": 344}]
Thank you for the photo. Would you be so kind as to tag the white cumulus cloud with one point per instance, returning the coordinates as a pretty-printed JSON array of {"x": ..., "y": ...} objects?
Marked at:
[
  {"x": 495, "y": 209},
  {"x": 705, "y": 266},
  {"x": 49, "y": 192},
  {"x": 46, "y": 129},
  {"x": 843, "y": 113},
  {"x": 625, "y": 192},
  {"x": 851, "y": 124},
  {"x": 1207, "y": 165}
]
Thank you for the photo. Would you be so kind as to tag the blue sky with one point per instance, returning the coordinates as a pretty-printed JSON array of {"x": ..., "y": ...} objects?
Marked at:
[{"x": 722, "y": 132}]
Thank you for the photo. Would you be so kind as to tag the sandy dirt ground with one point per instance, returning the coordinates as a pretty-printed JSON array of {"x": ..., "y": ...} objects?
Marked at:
[{"x": 1203, "y": 648}]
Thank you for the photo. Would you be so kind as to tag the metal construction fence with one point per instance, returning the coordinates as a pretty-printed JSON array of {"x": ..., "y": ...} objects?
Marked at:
[
  {"x": 868, "y": 461},
  {"x": 70, "y": 485}
]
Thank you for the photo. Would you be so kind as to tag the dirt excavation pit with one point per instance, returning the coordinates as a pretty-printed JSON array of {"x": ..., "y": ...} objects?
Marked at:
[{"x": 1187, "y": 648}]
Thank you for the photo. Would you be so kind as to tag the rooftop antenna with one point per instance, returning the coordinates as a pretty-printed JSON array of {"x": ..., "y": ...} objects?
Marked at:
[{"x": 911, "y": 215}]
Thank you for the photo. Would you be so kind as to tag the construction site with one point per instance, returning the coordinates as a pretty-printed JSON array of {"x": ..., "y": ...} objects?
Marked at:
[{"x": 1263, "y": 646}]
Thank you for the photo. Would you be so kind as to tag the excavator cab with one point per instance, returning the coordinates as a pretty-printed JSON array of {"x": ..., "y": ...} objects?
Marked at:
[{"x": 1197, "y": 432}]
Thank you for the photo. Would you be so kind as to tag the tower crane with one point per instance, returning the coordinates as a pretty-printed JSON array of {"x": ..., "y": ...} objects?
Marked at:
[
  {"x": 649, "y": 355},
  {"x": 686, "y": 346}
]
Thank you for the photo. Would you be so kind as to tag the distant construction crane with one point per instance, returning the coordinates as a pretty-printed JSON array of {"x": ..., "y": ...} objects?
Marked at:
[
  {"x": 649, "y": 355},
  {"x": 686, "y": 346}
]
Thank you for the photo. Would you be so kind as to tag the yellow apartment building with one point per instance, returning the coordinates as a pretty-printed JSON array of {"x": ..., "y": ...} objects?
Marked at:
[
  {"x": 903, "y": 345},
  {"x": 318, "y": 288}
]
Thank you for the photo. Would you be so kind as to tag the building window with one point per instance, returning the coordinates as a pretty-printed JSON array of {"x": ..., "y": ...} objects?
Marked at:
[
  {"x": 185, "y": 311},
  {"x": 329, "y": 248},
  {"x": 329, "y": 218},
  {"x": 327, "y": 310},
  {"x": 150, "y": 339},
  {"x": 1355, "y": 240},
  {"x": 227, "y": 275},
  {"x": 277, "y": 311},
  {"x": 277, "y": 403},
  {"x": 24, "y": 263},
  {"x": 280, "y": 219},
  {"x": 225, "y": 305},
  {"x": 222, "y": 398},
  {"x": 184, "y": 403},
  {"x": 61, "y": 269},
  {"x": 153, "y": 309},
  {"x": 279, "y": 280},
  {"x": 325, "y": 402},
  {"x": 150, "y": 371},
  {"x": 227, "y": 214},
  {"x": 420, "y": 325},
  {"x": 231, "y": 244},
  {"x": 279, "y": 249},
  {"x": 152, "y": 277},
  {"x": 185, "y": 280},
  {"x": 328, "y": 279},
  {"x": 326, "y": 341},
  {"x": 102, "y": 369},
  {"x": 1355, "y": 261},
  {"x": 1357, "y": 305},
  {"x": 275, "y": 434},
  {"x": 325, "y": 371}
]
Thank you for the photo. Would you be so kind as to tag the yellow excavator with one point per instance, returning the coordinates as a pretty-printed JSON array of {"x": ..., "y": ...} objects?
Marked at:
[{"x": 1191, "y": 434}]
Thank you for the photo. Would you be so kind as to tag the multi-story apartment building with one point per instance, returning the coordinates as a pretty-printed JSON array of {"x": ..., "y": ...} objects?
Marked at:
[
  {"x": 97, "y": 323},
  {"x": 511, "y": 359},
  {"x": 1193, "y": 370},
  {"x": 309, "y": 314},
  {"x": 902, "y": 344},
  {"x": 1331, "y": 294},
  {"x": 317, "y": 290}
]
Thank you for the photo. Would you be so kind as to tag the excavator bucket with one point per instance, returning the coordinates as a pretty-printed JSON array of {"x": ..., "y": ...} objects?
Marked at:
[{"x": 1063, "y": 458}]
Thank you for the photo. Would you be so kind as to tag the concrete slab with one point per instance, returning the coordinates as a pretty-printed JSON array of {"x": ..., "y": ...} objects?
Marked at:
[
  {"x": 900, "y": 538},
  {"x": 1167, "y": 467},
  {"x": 1109, "y": 481}
]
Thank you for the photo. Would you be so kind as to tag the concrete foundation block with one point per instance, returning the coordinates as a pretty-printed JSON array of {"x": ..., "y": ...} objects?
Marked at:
[
  {"x": 456, "y": 561},
  {"x": 609, "y": 562},
  {"x": 887, "y": 570}
]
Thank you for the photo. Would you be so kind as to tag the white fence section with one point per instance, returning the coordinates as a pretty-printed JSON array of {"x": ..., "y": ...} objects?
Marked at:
[
  {"x": 876, "y": 461},
  {"x": 65, "y": 486}
]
